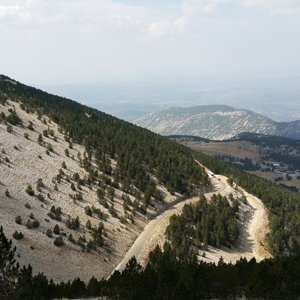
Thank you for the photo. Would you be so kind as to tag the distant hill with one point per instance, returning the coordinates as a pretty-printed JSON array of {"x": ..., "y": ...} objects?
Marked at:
[{"x": 215, "y": 122}]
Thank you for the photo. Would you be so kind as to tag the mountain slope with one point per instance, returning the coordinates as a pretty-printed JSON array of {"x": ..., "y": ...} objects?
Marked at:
[
  {"x": 61, "y": 160},
  {"x": 23, "y": 162},
  {"x": 136, "y": 151},
  {"x": 216, "y": 122}
]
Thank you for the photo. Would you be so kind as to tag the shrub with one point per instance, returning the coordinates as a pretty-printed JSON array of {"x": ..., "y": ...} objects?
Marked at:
[
  {"x": 36, "y": 224},
  {"x": 45, "y": 133},
  {"x": 103, "y": 202},
  {"x": 40, "y": 139},
  {"x": 50, "y": 131},
  {"x": 58, "y": 242},
  {"x": 13, "y": 118},
  {"x": 18, "y": 235},
  {"x": 40, "y": 197},
  {"x": 30, "y": 126},
  {"x": 143, "y": 209},
  {"x": 9, "y": 128},
  {"x": 90, "y": 246},
  {"x": 58, "y": 178},
  {"x": 26, "y": 135},
  {"x": 123, "y": 219},
  {"x": 71, "y": 239},
  {"x": 40, "y": 184},
  {"x": 88, "y": 211},
  {"x": 49, "y": 147},
  {"x": 49, "y": 233},
  {"x": 56, "y": 230},
  {"x": 97, "y": 235},
  {"x": 99, "y": 213},
  {"x": 2, "y": 116},
  {"x": 88, "y": 224},
  {"x": 29, "y": 190},
  {"x": 113, "y": 212},
  {"x": 7, "y": 194},
  {"x": 55, "y": 213},
  {"x": 18, "y": 220},
  {"x": 73, "y": 223},
  {"x": 32, "y": 224},
  {"x": 73, "y": 188},
  {"x": 79, "y": 197},
  {"x": 76, "y": 177}
]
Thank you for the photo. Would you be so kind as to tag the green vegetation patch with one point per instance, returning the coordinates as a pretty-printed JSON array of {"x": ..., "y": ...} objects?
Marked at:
[{"x": 213, "y": 222}]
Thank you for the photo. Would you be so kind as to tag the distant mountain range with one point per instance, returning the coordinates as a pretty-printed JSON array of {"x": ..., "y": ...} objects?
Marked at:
[{"x": 215, "y": 122}]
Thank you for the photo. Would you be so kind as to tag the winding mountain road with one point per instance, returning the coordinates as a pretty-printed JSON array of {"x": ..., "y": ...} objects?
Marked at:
[
  {"x": 154, "y": 225},
  {"x": 253, "y": 227}
]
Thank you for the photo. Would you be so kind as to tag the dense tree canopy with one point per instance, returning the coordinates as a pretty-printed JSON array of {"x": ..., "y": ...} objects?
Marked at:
[{"x": 205, "y": 223}]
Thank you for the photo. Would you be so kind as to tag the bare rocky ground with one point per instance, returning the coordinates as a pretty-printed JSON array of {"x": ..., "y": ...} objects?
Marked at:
[{"x": 22, "y": 162}]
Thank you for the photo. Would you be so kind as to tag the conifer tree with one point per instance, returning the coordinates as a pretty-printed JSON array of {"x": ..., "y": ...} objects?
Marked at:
[{"x": 9, "y": 268}]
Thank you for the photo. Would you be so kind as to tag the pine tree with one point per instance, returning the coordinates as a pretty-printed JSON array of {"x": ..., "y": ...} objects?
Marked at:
[
  {"x": 56, "y": 230},
  {"x": 40, "y": 139},
  {"x": 9, "y": 268}
]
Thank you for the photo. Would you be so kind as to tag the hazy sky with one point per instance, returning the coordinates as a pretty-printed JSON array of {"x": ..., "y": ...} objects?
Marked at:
[{"x": 109, "y": 41}]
